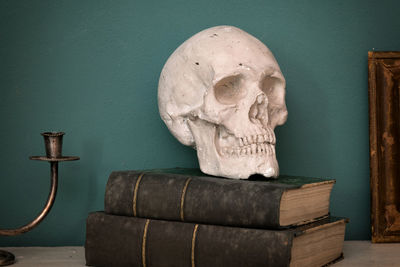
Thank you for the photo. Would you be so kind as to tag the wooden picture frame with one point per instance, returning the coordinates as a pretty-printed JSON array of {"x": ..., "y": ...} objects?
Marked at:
[{"x": 384, "y": 136}]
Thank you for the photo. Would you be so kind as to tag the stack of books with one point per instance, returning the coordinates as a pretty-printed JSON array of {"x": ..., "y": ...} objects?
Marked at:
[{"x": 181, "y": 217}]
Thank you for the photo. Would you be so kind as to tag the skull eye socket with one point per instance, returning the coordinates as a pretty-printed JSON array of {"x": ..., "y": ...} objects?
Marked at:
[
  {"x": 274, "y": 88},
  {"x": 229, "y": 90}
]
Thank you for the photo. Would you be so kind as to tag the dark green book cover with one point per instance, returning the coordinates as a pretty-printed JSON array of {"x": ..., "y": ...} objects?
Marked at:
[
  {"x": 190, "y": 196},
  {"x": 130, "y": 241}
]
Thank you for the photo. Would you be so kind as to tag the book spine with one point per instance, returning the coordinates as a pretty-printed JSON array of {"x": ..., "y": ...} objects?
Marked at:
[
  {"x": 128, "y": 241},
  {"x": 187, "y": 199}
]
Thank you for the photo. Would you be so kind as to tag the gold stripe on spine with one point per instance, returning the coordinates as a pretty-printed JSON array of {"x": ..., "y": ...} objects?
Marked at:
[
  {"x": 194, "y": 243},
  {"x": 135, "y": 193},
  {"x": 146, "y": 227},
  {"x": 183, "y": 198}
]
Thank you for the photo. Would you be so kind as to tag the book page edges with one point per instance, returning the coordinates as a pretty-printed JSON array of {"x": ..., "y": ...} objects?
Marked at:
[{"x": 302, "y": 205}]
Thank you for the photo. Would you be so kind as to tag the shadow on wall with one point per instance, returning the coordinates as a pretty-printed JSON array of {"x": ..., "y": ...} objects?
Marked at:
[{"x": 296, "y": 142}]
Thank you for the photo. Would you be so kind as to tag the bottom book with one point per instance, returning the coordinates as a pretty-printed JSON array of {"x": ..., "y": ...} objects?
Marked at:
[{"x": 129, "y": 241}]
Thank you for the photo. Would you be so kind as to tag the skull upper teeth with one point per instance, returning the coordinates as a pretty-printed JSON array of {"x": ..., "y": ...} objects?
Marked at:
[{"x": 261, "y": 144}]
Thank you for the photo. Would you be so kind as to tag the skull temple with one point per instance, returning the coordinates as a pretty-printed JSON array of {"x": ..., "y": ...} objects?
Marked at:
[{"x": 222, "y": 92}]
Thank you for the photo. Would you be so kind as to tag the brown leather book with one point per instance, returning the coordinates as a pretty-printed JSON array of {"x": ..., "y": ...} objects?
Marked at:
[
  {"x": 188, "y": 195},
  {"x": 130, "y": 241}
]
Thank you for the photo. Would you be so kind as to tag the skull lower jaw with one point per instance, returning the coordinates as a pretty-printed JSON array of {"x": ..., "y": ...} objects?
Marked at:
[{"x": 234, "y": 165}]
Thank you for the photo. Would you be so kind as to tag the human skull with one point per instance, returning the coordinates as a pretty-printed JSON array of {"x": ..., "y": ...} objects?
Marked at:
[{"x": 222, "y": 92}]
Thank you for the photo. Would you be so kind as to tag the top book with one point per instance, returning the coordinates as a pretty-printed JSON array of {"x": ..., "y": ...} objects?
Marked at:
[{"x": 191, "y": 196}]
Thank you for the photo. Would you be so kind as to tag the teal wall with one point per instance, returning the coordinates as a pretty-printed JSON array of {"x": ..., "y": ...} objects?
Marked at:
[{"x": 91, "y": 68}]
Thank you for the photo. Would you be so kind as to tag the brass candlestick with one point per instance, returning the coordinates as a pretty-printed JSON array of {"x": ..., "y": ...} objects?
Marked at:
[{"x": 53, "y": 144}]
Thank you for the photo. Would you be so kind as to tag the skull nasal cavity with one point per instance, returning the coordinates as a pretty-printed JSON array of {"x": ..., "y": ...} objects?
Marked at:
[{"x": 258, "y": 111}]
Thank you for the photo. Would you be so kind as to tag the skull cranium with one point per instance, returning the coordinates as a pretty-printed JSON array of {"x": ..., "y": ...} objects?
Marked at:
[{"x": 223, "y": 93}]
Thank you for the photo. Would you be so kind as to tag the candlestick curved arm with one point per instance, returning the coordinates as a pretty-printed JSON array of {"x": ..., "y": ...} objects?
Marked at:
[
  {"x": 46, "y": 209},
  {"x": 50, "y": 200}
]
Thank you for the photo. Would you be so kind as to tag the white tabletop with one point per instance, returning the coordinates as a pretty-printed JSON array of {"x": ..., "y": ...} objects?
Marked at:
[{"x": 356, "y": 254}]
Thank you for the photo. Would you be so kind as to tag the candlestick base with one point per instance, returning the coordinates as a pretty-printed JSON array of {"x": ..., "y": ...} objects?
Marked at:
[{"x": 6, "y": 258}]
